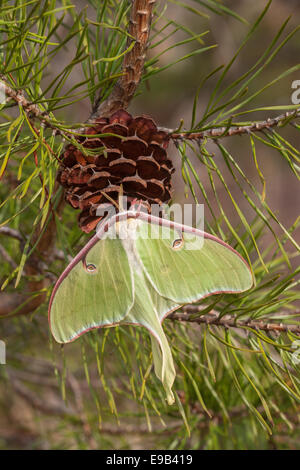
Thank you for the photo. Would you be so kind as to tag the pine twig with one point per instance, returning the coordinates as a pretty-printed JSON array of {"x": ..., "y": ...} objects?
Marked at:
[
  {"x": 10, "y": 232},
  {"x": 230, "y": 321},
  {"x": 19, "y": 98},
  {"x": 133, "y": 64},
  {"x": 34, "y": 113},
  {"x": 217, "y": 132},
  {"x": 58, "y": 408},
  {"x": 31, "y": 109}
]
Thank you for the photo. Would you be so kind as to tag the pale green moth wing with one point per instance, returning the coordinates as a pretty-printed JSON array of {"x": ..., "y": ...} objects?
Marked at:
[
  {"x": 85, "y": 299},
  {"x": 139, "y": 282},
  {"x": 197, "y": 268},
  {"x": 144, "y": 312}
]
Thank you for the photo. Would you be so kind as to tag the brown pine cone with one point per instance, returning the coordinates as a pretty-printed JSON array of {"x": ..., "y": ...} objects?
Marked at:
[{"x": 137, "y": 160}]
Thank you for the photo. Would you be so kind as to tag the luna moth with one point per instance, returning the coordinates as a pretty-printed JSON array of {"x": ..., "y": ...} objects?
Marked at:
[{"x": 136, "y": 279}]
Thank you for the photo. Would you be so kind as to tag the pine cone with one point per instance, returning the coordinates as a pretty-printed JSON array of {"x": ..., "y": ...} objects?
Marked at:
[{"x": 137, "y": 160}]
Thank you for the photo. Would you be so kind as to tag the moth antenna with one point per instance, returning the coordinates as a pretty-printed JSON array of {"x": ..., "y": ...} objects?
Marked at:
[
  {"x": 113, "y": 202},
  {"x": 139, "y": 205},
  {"x": 134, "y": 201},
  {"x": 120, "y": 199}
]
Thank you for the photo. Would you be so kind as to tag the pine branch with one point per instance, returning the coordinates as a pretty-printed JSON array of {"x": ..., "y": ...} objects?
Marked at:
[
  {"x": 20, "y": 100},
  {"x": 133, "y": 64},
  {"x": 235, "y": 130},
  {"x": 10, "y": 232},
  {"x": 230, "y": 321},
  {"x": 123, "y": 93},
  {"x": 31, "y": 109},
  {"x": 58, "y": 408}
]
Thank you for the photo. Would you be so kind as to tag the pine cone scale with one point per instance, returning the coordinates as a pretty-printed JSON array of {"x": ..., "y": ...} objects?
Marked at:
[{"x": 134, "y": 158}]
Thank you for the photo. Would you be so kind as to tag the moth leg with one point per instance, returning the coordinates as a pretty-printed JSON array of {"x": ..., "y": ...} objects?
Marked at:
[{"x": 139, "y": 205}]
